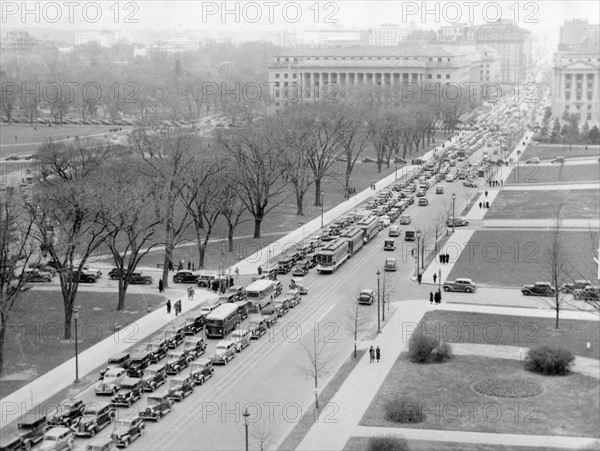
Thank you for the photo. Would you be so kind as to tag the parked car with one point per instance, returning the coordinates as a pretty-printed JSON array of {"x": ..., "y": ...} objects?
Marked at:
[
  {"x": 589, "y": 293},
  {"x": 174, "y": 337},
  {"x": 109, "y": 385},
  {"x": 127, "y": 430},
  {"x": 384, "y": 221},
  {"x": 532, "y": 161},
  {"x": 154, "y": 376},
  {"x": 538, "y": 289},
  {"x": 201, "y": 370},
  {"x": 96, "y": 416},
  {"x": 140, "y": 279},
  {"x": 130, "y": 390},
  {"x": 224, "y": 352},
  {"x": 101, "y": 444},
  {"x": 458, "y": 222},
  {"x": 298, "y": 284},
  {"x": 35, "y": 275},
  {"x": 118, "y": 360},
  {"x": 293, "y": 297},
  {"x": 185, "y": 277},
  {"x": 470, "y": 184},
  {"x": 282, "y": 306},
  {"x": 257, "y": 328},
  {"x": 194, "y": 348},
  {"x": 176, "y": 361},
  {"x": 138, "y": 362},
  {"x": 67, "y": 413},
  {"x": 270, "y": 315},
  {"x": 390, "y": 264},
  {"x": 57, "y": 439},
  {"x": 157, "y": 349},
  {"x": 241, "y": 338},
  {"x": 462, "y": 284},
  {"x": 366, "y": 296},
  {"x": 32, "y": 428},
  {"x": 180, "y": 387},
  {"x": 159, "y": 405},
  {"x": 575, "y": 285}
]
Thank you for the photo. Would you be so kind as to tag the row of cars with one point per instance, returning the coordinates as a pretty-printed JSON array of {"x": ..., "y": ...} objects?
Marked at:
[{"x": 580, "y": 289}]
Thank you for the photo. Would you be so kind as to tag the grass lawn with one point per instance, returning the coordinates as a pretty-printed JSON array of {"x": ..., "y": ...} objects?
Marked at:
[
  {"x": 576, "y": 204},
  {"x": 515, "y": 257},
  {"x": 568, "y": 405},
  {"x": 548, "y": 152},
  {"x": 30, "y": 137},
  {"x": 308, "y": 420},
  {"x": 529, "y": 332},
  {"x": 34, "y": 343},
  {"x": 361, "y": 443},
  {"x": 534, "y": 174}
]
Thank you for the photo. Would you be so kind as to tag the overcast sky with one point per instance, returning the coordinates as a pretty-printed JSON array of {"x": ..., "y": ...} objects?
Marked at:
[{"x": 208, "y": 16}]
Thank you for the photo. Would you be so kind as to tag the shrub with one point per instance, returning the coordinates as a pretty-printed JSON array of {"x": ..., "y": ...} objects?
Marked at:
[
  {"x": 423, "y": 348},
  {"x": 388, "y": 443},
  {"x": 401, "y": 410},
  {"x": 547, "y": 360},
  {"x": 441, "y": 353}
]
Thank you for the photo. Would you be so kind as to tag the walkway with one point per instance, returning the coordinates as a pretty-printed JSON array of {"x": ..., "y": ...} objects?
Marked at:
[
  {"x": 553, "y": 186},
  {"x": 354, "y": 396},
  {"x": 54, "y": 381}
]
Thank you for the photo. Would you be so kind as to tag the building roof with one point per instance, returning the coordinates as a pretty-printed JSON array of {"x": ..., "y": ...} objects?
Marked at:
[{"x": 433, "y": 50}]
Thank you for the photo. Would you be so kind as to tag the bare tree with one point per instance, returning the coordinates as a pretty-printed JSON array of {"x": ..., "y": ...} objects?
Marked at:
[
  {"x": 356, "y": 319},
  {"x": 437, "y": 224},
  {"x": 165, "y": 160},
  {"x": 231, "y": 206},
  {"x": 16, "y": 251},
  {"x": 386, "y": 285},
  {"x": 264, "y": 433},
  {"x": 317, "y": 362},
  {"x": 555, "y": 261},
  {"x": 354, "y": 139}
]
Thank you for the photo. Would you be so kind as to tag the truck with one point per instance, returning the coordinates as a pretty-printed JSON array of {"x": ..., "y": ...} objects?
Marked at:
[{"x": 409, "y": 235}]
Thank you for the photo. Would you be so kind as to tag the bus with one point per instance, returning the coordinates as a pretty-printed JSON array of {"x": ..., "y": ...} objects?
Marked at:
[
  {"x": 261, "y": 292},
  {"x": 409, "y": 235},
  {"x": 370, "y": 227},
  {"x": 332, "y": 255},
  {"x": 354, "y": 237},
  {"x": 222, "y": 320}
]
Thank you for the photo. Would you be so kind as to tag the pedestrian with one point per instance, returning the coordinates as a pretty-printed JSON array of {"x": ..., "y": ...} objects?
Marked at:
[
  {"x": 443, "y": 258},
  {"x": 161, "y": 287},
  {"x": 431, "y": 297},
  {"x": 179, "y": 306},
  {"x": 371, "y": 354},
  {"x": 434, "y": 277},
  {"x": 237, "y": 272},
  {"x": 192, "y": 293},
  {"x": 260, "y": 270},
  {"x": 447, "y": 258},
  {"x": 168, "y": 307},
  {"x": 170, "y": 265},
  {"x": 419, "y": 278},
  {"x": 378, "y": 353},
  {"x": 438, "y": 297},
  {"x": 487, "y": 205},
  {"x": 193, "y": 266},
  {"x": 189, "y": 293},
  {"x": 189, "y": 265},
  {"x": 486, "y": 193},
  {"x": 480, "y": 205},
  {"x": 230, "y": 281},
  {"x": 501, "y": 182}
]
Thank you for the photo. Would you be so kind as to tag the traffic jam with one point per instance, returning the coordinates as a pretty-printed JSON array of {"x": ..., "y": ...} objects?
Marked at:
[{"x": 146, "y": 383}]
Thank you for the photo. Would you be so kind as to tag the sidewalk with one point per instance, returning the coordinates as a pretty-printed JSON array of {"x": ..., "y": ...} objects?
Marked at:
[
  {"x": 456, "y": 244},
  {"x": 61, "y": 377}
]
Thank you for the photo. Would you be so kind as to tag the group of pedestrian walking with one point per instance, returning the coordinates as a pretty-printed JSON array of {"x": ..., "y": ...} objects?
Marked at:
[
  {"x": 485, "y": 205},
  {"x": 373, "y": 186},
  {"x": 220, "y": 286},
  {"x": 437, "y": 297},
  {"x": 374, "y": 354},
  {"x": 444, "y": 258},
  {"x": 176, "y": 306},
  {"x": 495, "y": 183}
]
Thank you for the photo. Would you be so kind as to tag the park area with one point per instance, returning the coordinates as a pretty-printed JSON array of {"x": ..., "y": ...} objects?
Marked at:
[
  {"x": 540, "y": 204},
  {"x": 550, "y": 151},
  {"x": 531, "y": 174},
  {"x": 452, "y": 397},
  {"x": 34, "y": 332},
  {"x": 513, "y": 258}
]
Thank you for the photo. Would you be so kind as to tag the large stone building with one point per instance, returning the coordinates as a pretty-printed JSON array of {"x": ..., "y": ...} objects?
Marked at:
[
  {"x": 17, "y": 41},
  {"x": 512, "y": 43},
  {"x": 387, "y": 35},
  {"x": 306, "y": 72},
  {"x": 576, "y": 84}
]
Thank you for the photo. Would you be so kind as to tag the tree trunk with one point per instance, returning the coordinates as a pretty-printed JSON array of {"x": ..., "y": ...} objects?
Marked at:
[
  {"x": 2, "y": 340},
  {"x": 68, "y": 316},
  {"x": 317, "y": 192},
  {"x": 299, "y": 204},
  {"x": 123, "y": 285},
  {"x": 230, "y": 237},
  {"x": 348, "y": 175},
  {"x": 168, "y": 252},
  {"x": 201, "y": 247},
  {"x": 257, "y": 222}
]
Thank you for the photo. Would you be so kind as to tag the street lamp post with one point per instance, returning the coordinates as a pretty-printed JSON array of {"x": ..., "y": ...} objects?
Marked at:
[
  {"x": 378, "y": 309},
  {"x": 246, "y": 416},
  {"x": 75, "y": 319},
  {"x": 453, "y": 200},
  {"x": 322, "y": 194},
  {"x": 418, "y": 250}
]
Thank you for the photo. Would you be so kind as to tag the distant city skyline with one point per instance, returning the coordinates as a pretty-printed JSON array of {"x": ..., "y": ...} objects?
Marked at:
[{"x": 254, "y": 16}]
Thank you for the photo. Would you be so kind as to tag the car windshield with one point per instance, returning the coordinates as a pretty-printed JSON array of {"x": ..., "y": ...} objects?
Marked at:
[
  {"x": 221, "y": 348},
  {"x": 172, "y": 357},
  {"x": 154, "y": 401},
  {"x": 90, "y": 410},
  {"x": 176, "y": 383},
  {"x": 124, "y": 424},
  {"x": 50, "y": 438}
]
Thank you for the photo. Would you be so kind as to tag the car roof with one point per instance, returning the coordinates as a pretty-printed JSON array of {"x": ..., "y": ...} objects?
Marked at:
[
  {"x": 59, "y": 430},
  {"x": 464, "y": 279}
]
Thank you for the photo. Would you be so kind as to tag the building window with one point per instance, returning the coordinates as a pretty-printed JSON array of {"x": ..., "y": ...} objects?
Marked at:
[
  {"x": 293, "y": 75},
  {"x": 439, "y": 60},
  {"x": 439, "y": 76},
  {"x": 276, "y": 75},
  {"x": 276, "y": 103},
  {"x": 578, "y": 96},
  {"x": 285, "y": 84},
  {"x": 429, "y": 76},
  {"x": 431, "y": 59},
  {"x": 567, "y": 96},
  {"x": 277, "y": 94},
  {"x": 447, "y": 76},
  {"x": 285, "y": 75},
  {"x": 589, "y": 107},
  {"x": 448, "y": 59},
  {"x": 589, "y": 116},
  {"x": 287, "y": 59},
  {"x": 589, "y": 96},
  {"x": 277, "y": 84}
]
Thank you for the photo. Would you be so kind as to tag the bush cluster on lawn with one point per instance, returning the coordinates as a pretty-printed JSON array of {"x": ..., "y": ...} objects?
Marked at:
[
  {"x": 388, "y": 443},
  {"x": 402, "y": 410},
  {"x": 547, "y": 360},
  {"x": 424, "y": 348}
]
